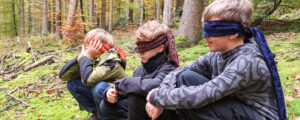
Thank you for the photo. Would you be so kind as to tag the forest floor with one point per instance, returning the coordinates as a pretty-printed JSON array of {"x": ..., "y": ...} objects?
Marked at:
[{"x": 38, "y": 93}]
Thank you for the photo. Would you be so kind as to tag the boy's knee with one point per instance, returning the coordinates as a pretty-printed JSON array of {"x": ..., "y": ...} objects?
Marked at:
[
  {"x": 99, "y": 88},
  {"x": 191, "y": 78},
  {"x": 71, "y": 85}
]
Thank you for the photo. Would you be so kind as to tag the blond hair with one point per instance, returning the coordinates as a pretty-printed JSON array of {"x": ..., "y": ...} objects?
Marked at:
[
  {"x": 150, "y": 30},
  {"x": 99, "y": 34},
  {"x": 230, "y": 10}
]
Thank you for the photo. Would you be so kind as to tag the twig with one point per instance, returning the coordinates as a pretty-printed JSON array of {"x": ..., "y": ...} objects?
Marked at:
[
  {"x": 38, "y": 63},
  {"x": 31, "y": 50},
  {"x": 12, "y": 91},
  {"x": 13, "y": 76},
  {"x": 18, "y": 99}
]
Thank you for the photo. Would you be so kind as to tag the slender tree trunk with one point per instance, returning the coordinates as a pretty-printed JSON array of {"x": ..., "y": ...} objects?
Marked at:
[
  {"x": 22, "y": 19},
  {"x": 110, "y": 15},
  {"x": 141, "y": 12},
  {"x": 14, "y": 18},
  {"x": 158, "y": 10},
  {"x": 29, "y": 17},
  {"x": 58, "y": 20},
  {"x": 131, "y": 12},
  {"x": 190, "y": 23},
  {"x": 53, "y": 27},
  {"x": 45, "y": 18},
  {"x": 119, "y": 9},
  {"x": 82, "y": 16},
  {"x": 103, "y": 14},
  {"x": 127, "y": 10},
  {"x": 92, "y": 13},
  {"x": 168, "y": 12},
  {"x": 71, "y": 16}
]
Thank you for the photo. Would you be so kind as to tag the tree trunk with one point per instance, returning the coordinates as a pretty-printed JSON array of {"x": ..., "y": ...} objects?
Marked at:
[
  {"x": 110, "y": 15},
  {"x": 22, "y": 19},
  {"x": 71, "y": 16},
  {"x": 168, "y": 12},
  {"x": 14, "y": 17},
  {"x": 158, "y": 10},
  {"x": 29, "y": 17},
  {"x": 58, "y": 20},
  {"x": 103, "y": 14},
  {"x": 92, "y": 13},
  {"x": 53, "y": 27},
  {"x": 127, "y": 10},
  {"x": 45, "y": 18},
  {"x": 141, "y": 12},
  {"x": 131, "y": 12},
  {"x": 82, "y": 15},
  {"x": 190, "y": 23}
]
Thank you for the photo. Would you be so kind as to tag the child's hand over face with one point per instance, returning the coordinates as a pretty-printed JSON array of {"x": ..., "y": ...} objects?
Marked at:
[
  {"x": 93, "y": 50},
  {"x": 112, "y": 95}
]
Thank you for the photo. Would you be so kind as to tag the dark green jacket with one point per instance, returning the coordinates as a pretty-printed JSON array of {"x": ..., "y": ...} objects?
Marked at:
[{"x": 109, "y": 68}]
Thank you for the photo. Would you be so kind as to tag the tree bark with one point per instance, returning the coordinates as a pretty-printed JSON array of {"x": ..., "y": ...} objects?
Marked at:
[
  {"x": 103, "y": 14},
  {"x": 29, "y": 17},
  {"x": 168, "y": 12},
  {"x": 110, "y": 15},
  {"x": 45, "y": 18},
  {"x": 22, "y": 19},
  {"x": 58, "y": 20},
  {"x": 158, "y": 10},
  {"x": 71, "y": 16},
  {"x": 141, "y": 12},
  {"x": 190, "y": 23}
]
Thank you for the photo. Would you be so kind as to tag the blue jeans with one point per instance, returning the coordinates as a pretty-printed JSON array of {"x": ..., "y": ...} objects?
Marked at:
[{"x": 88, "y": 96}]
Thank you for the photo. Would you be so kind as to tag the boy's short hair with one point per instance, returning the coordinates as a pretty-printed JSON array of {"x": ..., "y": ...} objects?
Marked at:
[
  {"x": 99, "y": 34},
  {"x": 230, "y": 10},
  {"x": 150, "y": 30}
]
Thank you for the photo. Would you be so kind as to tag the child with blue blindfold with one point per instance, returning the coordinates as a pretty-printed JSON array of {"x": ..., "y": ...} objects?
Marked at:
[{"x": 236, "y": 80}]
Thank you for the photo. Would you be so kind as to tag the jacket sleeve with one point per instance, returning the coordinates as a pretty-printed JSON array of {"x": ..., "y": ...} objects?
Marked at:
[
  {"x": 109, "y": 70},
  {"x": 70, "y": 71},
  {"x": 235, "y": 77},
  {"x": 140, "y": 85}
]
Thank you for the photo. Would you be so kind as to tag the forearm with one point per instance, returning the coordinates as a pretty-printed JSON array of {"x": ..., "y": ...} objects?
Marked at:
[{"x": 86, "y": 68}]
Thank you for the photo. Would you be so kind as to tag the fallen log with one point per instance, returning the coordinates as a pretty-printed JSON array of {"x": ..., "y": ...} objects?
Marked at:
[{"x": 38, "y": 63}]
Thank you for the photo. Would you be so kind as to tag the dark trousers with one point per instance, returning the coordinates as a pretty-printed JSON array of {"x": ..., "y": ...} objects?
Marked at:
[
  {"x": 136, "y": 109},
  {"x": 87, "y": 96},
  {"x": 227, "y": 108},
  {"x": 132, "y": 108}
]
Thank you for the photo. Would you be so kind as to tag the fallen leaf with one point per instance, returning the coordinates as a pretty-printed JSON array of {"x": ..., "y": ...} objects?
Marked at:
[
  {"x": 294, "y": 76},
  {"x": 77, "y": 116},
  {"x": 288, "y": 98},
  {"x": 50, "y": 91},
  {"x": 288, "y": 105}
]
